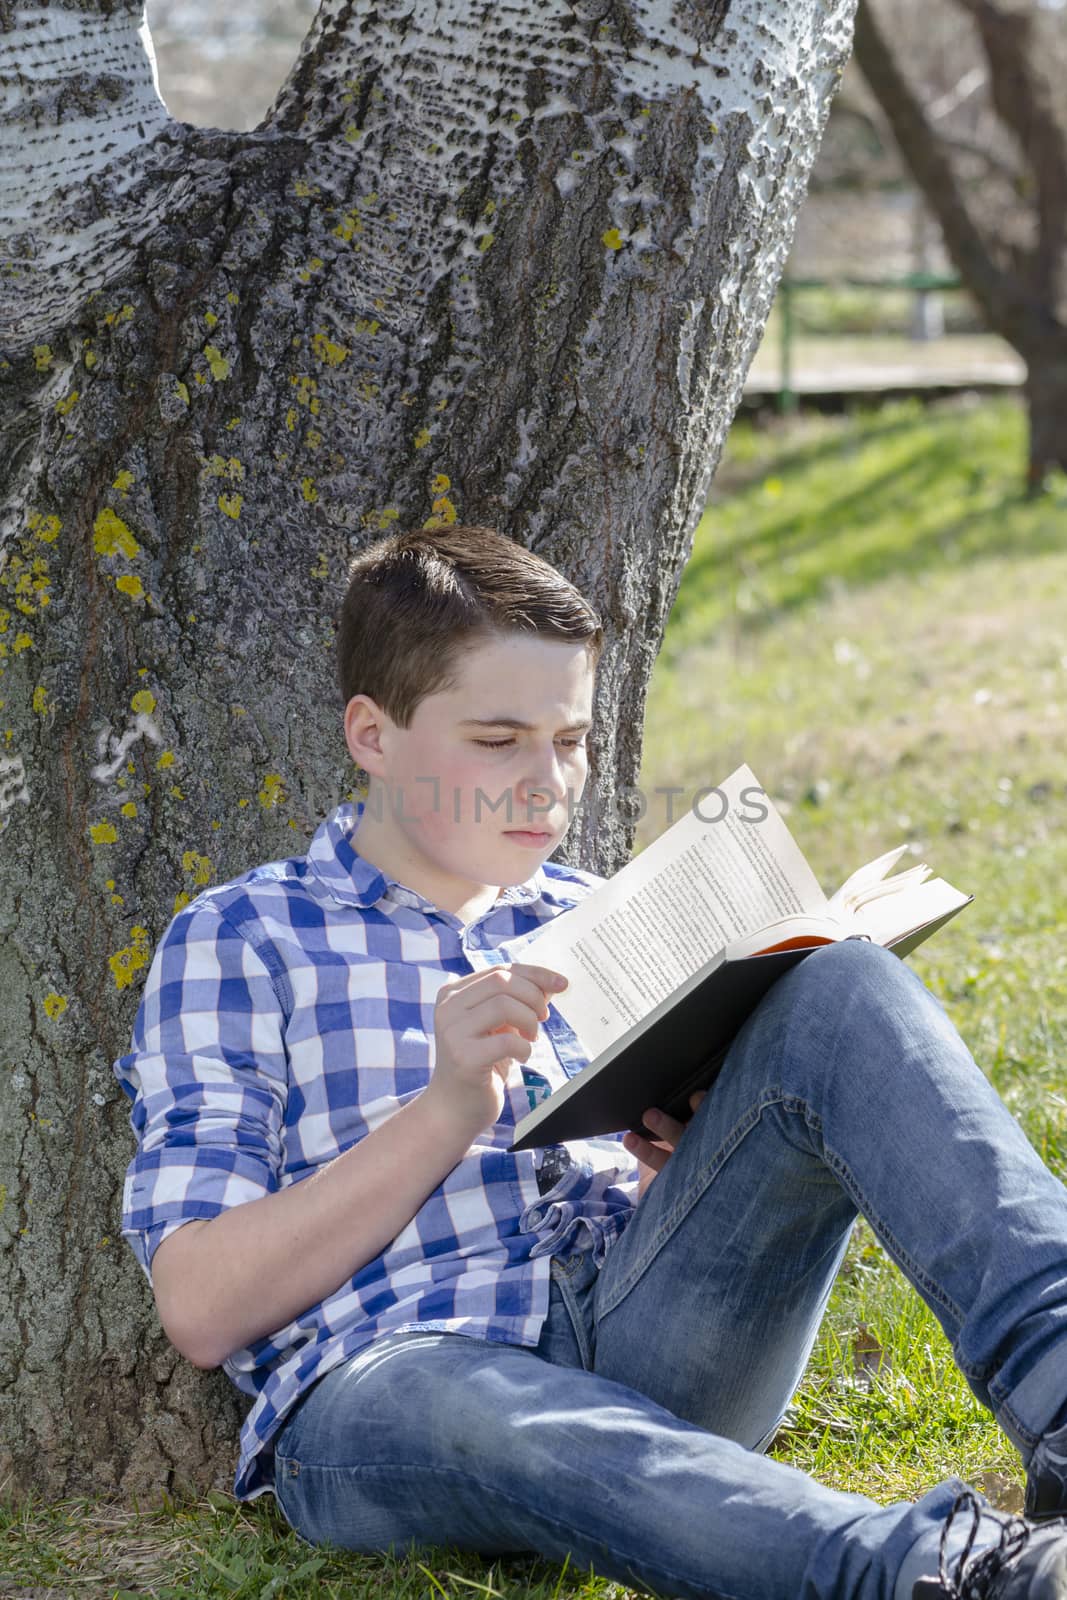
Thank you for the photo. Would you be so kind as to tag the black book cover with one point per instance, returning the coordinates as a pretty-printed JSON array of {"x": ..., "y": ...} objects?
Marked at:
[{"x": 662, "y": 1062}]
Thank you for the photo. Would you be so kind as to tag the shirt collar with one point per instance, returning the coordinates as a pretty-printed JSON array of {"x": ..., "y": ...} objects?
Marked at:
[{"x": 343, "y": 874}]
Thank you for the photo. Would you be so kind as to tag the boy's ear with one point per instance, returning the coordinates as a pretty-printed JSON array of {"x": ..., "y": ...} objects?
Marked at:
[{"x": 363, "y": 733}]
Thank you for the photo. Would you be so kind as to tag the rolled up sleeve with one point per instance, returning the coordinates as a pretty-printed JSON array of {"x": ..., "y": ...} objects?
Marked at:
[{"x": 207, "y": 1074}]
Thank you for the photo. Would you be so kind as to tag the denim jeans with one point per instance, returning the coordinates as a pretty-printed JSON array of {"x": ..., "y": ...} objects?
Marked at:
[{"x": 630, "y": 1439}]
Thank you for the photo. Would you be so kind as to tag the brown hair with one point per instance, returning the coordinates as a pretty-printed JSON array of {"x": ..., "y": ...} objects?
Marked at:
[{"x": 416, "y": 601}]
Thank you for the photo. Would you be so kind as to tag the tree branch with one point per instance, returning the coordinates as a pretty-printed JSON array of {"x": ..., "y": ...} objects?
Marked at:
[{"x": 78, "y": 146}]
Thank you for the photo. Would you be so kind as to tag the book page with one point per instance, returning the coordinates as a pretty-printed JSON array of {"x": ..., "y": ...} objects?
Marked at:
[
  {"x": 709, "y": 879},
  {"x": 887, "y": 918}
]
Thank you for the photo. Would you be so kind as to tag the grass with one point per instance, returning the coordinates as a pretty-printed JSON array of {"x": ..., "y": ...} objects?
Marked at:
[{"x": 872, "y": 619}]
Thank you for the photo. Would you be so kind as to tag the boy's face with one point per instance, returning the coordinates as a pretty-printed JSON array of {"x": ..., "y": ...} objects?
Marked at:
[{"x": 450, "y": 793}]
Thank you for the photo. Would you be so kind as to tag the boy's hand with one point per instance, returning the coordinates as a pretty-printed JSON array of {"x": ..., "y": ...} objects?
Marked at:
[
  {"x": 469, "y": 1073},
  {"x": 653, "y": 1155}
]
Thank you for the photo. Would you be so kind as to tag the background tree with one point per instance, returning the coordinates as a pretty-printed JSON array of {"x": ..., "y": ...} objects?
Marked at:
[
  {"x": 1000, "y": 198},
  {"x": 486, "y": 262}
]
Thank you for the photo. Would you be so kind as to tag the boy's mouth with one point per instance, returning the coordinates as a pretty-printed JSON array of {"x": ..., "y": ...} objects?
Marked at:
[{"x": 532, "y": 836}]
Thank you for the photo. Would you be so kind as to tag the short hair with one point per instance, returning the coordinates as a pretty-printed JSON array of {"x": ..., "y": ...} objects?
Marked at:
[{"x": 417, "y": 601}]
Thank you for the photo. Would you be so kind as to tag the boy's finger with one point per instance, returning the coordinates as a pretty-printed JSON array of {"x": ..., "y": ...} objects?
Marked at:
[
  {"x": 544, "y": 977},
  {"x": 663, "y": 1127}
]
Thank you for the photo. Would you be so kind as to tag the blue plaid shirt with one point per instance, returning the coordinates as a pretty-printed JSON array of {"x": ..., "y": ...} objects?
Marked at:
[{"x": 289, "y": 1012}]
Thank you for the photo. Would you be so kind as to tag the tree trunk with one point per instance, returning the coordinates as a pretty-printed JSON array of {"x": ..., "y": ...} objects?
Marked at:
[
  {"x": 477, "y": 263},
  {"x": 1021, "y": 292}
]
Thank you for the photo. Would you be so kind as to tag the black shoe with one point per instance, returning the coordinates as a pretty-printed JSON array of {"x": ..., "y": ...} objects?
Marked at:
[
  {"x": 1046, "y": 1482},
  {"x": 1029, "y": 1563},
  {"x": 1046, "y": 1496}
]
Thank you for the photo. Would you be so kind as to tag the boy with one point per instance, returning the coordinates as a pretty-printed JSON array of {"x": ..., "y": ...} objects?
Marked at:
[{"x": 582, "y": 1351}]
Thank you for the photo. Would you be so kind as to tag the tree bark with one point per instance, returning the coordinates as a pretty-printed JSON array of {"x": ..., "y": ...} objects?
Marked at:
[
  {"x": 1023, "y": 293},
  {"x": 479, "y": 262}
]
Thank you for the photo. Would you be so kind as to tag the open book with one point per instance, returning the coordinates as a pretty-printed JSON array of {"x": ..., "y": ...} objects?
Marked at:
[{"x": 668, "y": 958}]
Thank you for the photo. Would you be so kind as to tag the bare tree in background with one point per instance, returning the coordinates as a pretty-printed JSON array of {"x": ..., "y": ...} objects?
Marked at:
[
  {"x": 1001, "y": 203},
  {"x": 495, "y": 262}
]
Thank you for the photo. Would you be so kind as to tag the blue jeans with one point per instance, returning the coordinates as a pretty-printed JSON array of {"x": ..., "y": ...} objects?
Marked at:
[{"x": 630, "y": 1440}]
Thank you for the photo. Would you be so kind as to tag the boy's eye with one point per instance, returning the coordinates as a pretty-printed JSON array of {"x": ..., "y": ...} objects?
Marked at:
[{"x": 500, "y": 744}]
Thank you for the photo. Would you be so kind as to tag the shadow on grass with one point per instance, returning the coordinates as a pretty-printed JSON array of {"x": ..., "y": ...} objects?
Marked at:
[
  {"x": 887, "y": 499},
  {"x": 868, "y": 425}
]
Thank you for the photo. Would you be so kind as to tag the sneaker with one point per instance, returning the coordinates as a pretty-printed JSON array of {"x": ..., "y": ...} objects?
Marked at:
[
  {"x": 1029, "y": 1562},
  {"x": 1046, "y": 1482}
]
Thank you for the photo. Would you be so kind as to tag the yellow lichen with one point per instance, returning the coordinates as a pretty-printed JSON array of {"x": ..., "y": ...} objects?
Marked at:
[
  {"x": 117, "y": 318},
  {"x": 230, "y": 505},
  {"x": 422, "y": 438},
  {"x": 198, "y": 865},
  {"x": 68, "y": 404},
  {"x": 486, "y": 241},
  {"x": 40, "y": 700},
  {"x": 612, "y": 238},
  {"x": 308, "y": 489},
  {"x": 124, "y": 963},
  {"x": 326, "y": 350},
  {"x": 223, "y": 467},
  {"x": 166, "y": 759},
  {"x": 306, "y": 390},
  {"x": 443, "y": 513},
  {"x": 43, "y": 527},
  {"x": 90, "y": 359},
  {"x": 54, "y": 1005},
  {"x": 111, "y": 536},
  {"x": 272, "y": 792},
  {"x": 220, "y": 367},
  {"x": 22, "y": 642},
  {"x": 129, "y": 809},
  {"x": 130, "y": 584},
  {"x": 290, "y": 419},
  {"x": 42, "y": 357},
  {"x": 144, "y": 700},
  {"x": 103, "y": 832},
  {"x": 210, "y": 318},
  {"x": 124, "y": 481},
  {"x": 182, "y": 391},
  {"x": 181, "y": 900},
  {"x": 351, "y": 224}
]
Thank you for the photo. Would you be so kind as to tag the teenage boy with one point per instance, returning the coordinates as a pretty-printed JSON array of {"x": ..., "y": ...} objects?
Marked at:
[{"x": 581, "y": 1351}]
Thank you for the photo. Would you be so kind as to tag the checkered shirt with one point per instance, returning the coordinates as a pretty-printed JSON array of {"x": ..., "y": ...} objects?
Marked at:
[{"x": 288, "y": 1013}]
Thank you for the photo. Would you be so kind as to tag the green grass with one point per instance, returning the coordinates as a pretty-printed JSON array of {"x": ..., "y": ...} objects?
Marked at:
[{"x": 872, "y": 619}]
